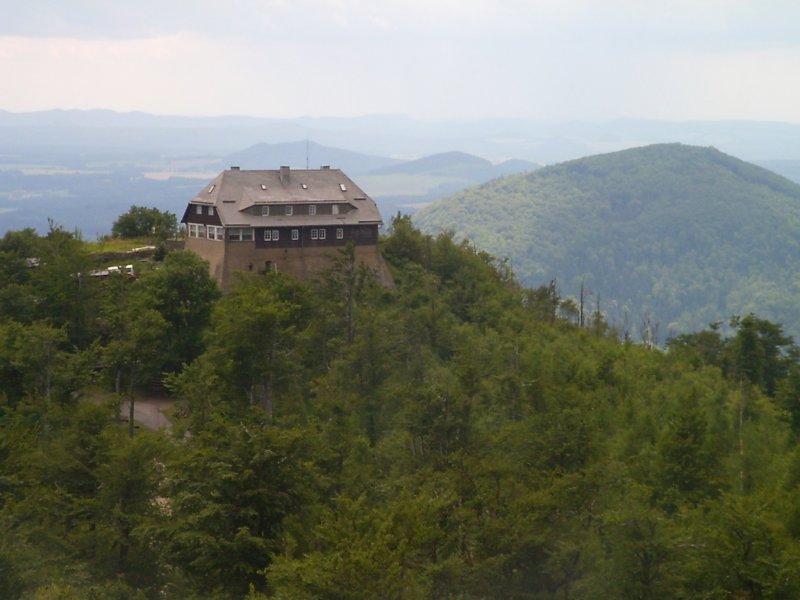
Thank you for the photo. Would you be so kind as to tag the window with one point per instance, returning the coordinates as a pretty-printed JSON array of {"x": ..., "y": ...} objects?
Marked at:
[
  {"x": 312, "y": 209},
  {"x": 335, "y": 209},
  {"x": 275, "y": 236},
  {"x": 289, "y": 210},
  {"x": 240, "y": 234},
  {"x": 295, "y": 234},
  {"x": 265, "y": 211},
  {"x": 343, "y": 187},
  {"x": 322, "y": 234},
  {"x": 267, "y": 235},
  {"x": 198, "y": 209},
  {"x": 192, "y": 230},
  {"x": 304, "y": 186},
  {"x": 211, "y": 187},
  {"x": 339, "y": 233},
  {"x": 214, "y": 232},
  {"x": 211, "y": 211},
  {"x": 314, "y": 234},
  {"x": 264, "y": 187}
]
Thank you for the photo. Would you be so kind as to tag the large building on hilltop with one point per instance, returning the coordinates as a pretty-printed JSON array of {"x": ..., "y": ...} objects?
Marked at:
[{"x": 285, "y": 220}]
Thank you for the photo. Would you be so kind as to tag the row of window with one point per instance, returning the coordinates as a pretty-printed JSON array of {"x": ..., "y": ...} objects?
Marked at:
[
  {"x": 240, "y": 234},
  {"x": 245, "y": 234},
  {"x": 288, "y": 210},
  {"x": 212, "y": 232}
]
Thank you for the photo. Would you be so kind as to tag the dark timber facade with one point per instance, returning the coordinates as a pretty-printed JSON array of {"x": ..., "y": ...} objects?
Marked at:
[{"x": 284, "y": 220}]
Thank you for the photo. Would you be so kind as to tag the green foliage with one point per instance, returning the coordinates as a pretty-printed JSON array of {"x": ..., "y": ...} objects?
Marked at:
[
  {"x": 676, "y": 234},
  {"x": 228, "y": 493},
  {"x": 143, "y": 222},
  {"x": 183, "y": 293},
  {"x": 457, "y": 436}
]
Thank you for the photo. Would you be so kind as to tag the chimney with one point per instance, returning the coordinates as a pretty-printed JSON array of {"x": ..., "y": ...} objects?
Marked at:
[
  {"x": 284, "y": 175},
  {"x": 234, "y": 168},
  {"x": 325, "y": 167}
]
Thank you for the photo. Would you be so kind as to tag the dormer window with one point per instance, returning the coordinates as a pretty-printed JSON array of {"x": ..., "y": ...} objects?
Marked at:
[
  {"x": 265, "y": 211},
  {"x": 211, "y": 211},
  {"x": 198, "y": 209},
  {"x": 289, "y": 210},
  {"x": 335, "y": 209},
  {"x": 312, "y": 209}
]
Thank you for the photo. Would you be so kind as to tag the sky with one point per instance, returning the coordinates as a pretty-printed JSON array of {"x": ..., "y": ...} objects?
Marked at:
[{"x": 427, "y": 59}]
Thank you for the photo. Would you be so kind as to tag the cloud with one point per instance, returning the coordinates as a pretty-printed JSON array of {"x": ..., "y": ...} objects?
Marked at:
[{"x": 540, "y": 58}]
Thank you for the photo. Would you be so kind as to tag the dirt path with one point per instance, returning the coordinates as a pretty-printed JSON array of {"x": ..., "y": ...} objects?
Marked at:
[{"x": 149, "y": 412}]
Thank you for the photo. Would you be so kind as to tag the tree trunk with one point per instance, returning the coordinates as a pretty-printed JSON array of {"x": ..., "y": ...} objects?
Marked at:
[{"x": 131, "y": 402}]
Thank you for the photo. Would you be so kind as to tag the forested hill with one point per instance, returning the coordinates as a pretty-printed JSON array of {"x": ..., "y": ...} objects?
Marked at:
[
  {"x": 674, "y": 234},
  {"x": 455, "y": 437}
]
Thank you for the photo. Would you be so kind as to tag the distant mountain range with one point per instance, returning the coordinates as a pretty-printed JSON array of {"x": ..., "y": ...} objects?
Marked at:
[
  {"x": 397, "y": 136},
  {"x": 302, "y": 155},
  {"x": 104, "y": 183},
  {"x": 677, "y": 234}
]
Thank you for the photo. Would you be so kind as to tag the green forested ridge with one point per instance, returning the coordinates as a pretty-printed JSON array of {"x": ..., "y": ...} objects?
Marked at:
[
  {"x": 674, "y": 234},
  {"x": 457, "y": 437}
]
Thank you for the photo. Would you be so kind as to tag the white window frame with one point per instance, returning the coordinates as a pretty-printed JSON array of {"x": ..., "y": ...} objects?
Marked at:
[
  {"x": 314, "y": 233},
  {"x": 265, "y": 211},
  {"x": 198, "y": 209},
  {"x": 267, "y": 235},
  {"x": 312, "y": 209},
  {"x": 334, "y": 209},
  {"x": 276, "y": 235},
  {"x": 289, "y": 210},
  {"x": 211, "y": 211},
  {"x": 295, "y": 234},
  {"x": 340, "y": 233},
  {"x": 322, "y": 233}
]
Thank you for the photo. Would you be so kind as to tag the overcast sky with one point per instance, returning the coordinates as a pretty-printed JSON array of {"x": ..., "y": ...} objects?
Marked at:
[{"x": 561, "y": 59}]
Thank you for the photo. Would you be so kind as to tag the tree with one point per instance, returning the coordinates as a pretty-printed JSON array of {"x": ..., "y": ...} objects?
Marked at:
[
  {"x": 253, "y": 337},
  {"x": 145, "y": 222},
  {"x": 134, "y": 351},
  {"x": 230, "y": 490},
  {"x": 760, "y": 352},
  {"x": 183, "y": 293}
]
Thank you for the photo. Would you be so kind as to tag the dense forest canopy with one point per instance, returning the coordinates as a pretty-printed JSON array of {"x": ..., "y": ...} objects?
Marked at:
[
  {"x": 459, "y": 436},
  {"x": 679, "y": 235}
]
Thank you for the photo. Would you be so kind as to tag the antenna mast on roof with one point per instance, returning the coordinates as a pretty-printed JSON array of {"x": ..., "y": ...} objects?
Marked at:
[{"x": 306, "y": 154}]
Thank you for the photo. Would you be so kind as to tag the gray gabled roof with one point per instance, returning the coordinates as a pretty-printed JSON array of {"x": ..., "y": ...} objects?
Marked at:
[{"x": 234, "y": 193}]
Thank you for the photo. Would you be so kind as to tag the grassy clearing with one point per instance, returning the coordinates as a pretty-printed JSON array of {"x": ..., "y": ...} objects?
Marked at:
[{"x": 106, "y": 244}]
